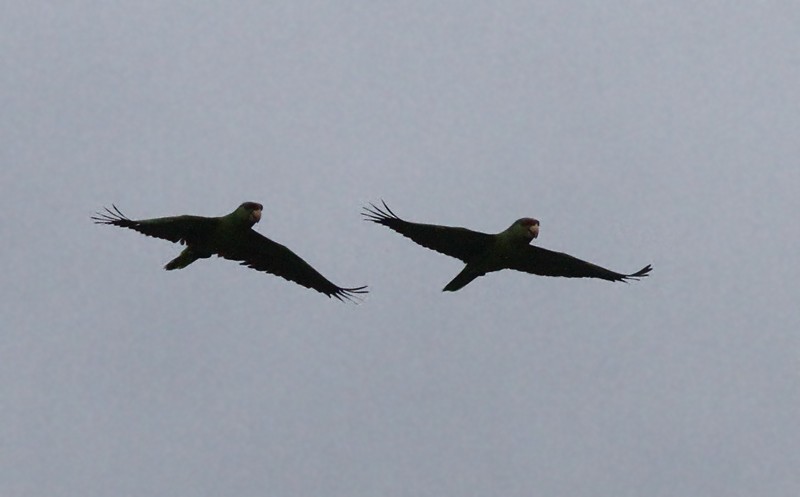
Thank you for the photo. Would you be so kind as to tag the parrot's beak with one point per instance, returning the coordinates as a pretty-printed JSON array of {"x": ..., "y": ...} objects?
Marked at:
[
  {"x": 534, "y": 229},
  {"x": 256, "y": 215}
]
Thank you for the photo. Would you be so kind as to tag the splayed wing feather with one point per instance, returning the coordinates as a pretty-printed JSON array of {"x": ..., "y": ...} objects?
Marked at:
[
  {"x": 175, "y": 229},
  {"x": 460, "y": 243},
  {"x": 537, "y": 260}
]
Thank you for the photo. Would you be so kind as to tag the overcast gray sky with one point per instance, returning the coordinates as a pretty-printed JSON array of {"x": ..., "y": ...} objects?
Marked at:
[{"x": 637, "y": 132}]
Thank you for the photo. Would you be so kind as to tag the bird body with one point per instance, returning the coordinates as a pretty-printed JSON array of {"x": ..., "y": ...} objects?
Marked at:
[
  {"x": 230, "y": 237},
  {"x": 497, "y": 254},
  {"x": 484, "y": 253}
]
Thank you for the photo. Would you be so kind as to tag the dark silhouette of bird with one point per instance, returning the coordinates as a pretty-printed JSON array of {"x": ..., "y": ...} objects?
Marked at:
[
  {"x": 230, "y": 237},
  {"x": 484, "y": 253}
]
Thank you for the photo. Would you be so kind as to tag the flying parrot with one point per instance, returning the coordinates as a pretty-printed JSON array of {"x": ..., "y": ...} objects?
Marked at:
[
  {"x": 230, "y": 237},
  {"x": 484, "y": 253}
]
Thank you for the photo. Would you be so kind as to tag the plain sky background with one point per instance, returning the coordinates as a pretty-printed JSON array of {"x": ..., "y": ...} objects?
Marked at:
[{"x": 637, "y": 132}]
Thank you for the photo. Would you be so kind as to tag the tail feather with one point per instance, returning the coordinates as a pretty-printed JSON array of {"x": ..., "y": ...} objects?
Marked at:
[
  {"x": 184, "y": 259},
  {"x": 462, "y": 279}
]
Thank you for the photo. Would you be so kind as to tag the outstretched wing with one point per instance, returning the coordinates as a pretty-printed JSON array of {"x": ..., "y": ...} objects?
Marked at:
[
  {"x": 537, "y": 260},
  {"x": 259, "y": 252},
  {"x": 175, "y": 229},
  {"x": 460, "y": 243}
]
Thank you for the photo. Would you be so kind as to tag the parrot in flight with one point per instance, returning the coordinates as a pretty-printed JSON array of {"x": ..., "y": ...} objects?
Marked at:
[
  {"x": 230, "y": 237},
  {"x": 485, "y": 253}
]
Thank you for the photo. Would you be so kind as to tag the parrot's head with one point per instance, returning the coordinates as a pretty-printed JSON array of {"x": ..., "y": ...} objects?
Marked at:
[
  {"x": 250, "y": 212},
  {"x": 526, "y": 228}
]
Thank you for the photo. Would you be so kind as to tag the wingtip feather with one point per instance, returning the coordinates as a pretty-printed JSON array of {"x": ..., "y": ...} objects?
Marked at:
[
  {"x": 353, "y": 295},
  {"x": 378, "y": 214},
  {"x": 110, "y": 216},
  {"x": 642, "y": 273}
]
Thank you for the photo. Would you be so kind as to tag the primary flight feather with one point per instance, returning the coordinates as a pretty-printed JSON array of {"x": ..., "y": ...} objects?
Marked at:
[
  {"x": 233, "y": 238},
  {"x": 484, "y": 253}
]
